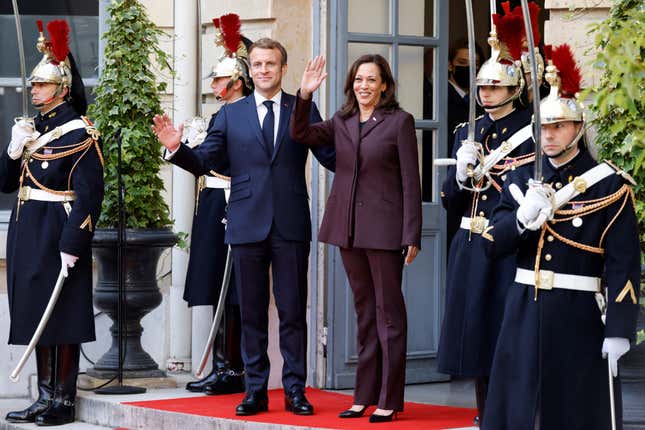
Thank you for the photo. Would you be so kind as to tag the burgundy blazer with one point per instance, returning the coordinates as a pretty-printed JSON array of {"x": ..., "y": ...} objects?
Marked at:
[{"x": 376, "y": 194}]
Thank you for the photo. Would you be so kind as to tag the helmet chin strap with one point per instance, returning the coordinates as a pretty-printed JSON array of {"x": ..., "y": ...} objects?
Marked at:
[
  {"x": 499, "y": 105},
  {"x": 49, "y": 100},
  {"x": 225, "y": 91},
  {"x": 572, "y": 145}
]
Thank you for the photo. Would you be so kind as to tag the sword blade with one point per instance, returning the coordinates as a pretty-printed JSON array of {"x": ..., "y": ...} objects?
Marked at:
[
  {"x": 472, "y": 59},
  {"x": 217, "y": 319},
  {"x": 15, "y": 375},
  {"x": 21, "y": 54},
  {"x": 537, "y": 128}
]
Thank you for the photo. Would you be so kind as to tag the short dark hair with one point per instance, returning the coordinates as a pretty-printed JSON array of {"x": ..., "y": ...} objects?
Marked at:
[
  {"x": 388, "y": 97},
  {"x": 462, "y": 43},
  {"x": 268, "y": 43}
]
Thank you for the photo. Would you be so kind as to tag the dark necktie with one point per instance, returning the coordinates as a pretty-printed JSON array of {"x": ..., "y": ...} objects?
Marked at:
[{"x": 268, "y": 126}]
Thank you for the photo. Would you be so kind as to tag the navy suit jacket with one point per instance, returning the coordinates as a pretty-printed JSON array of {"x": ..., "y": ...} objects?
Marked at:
[{"x": 264, "y": 191}]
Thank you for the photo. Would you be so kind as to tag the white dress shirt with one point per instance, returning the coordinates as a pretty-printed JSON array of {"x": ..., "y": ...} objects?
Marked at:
[{"x": 262, "y": 110}]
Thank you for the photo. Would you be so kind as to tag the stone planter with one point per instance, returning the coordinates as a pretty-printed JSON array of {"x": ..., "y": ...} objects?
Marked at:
[{"x": 142, "y": 295}]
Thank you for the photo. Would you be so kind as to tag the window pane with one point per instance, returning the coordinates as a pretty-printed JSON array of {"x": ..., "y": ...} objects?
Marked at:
[
  {"x": 411, "y": 80},
  {"x": 369, "y": 16},
  {"x": 84, "y": 43},
  {"x": 427, "y": 150},
  {"x": 355, "y": 50},
  {"x": 416, "y": 17}
]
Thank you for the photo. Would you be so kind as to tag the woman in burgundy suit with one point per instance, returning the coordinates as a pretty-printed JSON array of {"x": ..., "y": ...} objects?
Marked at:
[{"x": 373, "y": 214}]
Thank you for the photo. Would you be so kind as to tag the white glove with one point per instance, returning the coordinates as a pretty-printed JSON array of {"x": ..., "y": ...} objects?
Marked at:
[
  {"x": 612, "y": 349},
  {"x": 536, "y": 206},
  {"x": 67, "y": 261},
  {"x": 22, "y": 132},
  {"x": 466, "y": 154}
]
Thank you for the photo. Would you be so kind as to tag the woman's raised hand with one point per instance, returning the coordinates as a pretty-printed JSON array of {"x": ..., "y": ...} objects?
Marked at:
[
  {"x": 313, "y": 76},
  {"x": 166, "y": 132}
]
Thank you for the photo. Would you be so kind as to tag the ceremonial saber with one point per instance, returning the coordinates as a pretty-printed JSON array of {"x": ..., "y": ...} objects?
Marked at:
[
  {"x": 472, "y": 69},
  {"x": 217, "y": 319},
  {"x": 612, "y": 403},
  {"x": 21, "y": 55},
  {"x": 15, "y": 375},
  {"x": 535, "y": 86}
]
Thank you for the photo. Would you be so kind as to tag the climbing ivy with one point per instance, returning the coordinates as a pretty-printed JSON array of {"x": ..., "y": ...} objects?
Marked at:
[{"x": 127, "y": 97}]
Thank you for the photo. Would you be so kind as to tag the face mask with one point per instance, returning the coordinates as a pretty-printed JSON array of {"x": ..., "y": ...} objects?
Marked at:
[{"x": 461, "y": 75}]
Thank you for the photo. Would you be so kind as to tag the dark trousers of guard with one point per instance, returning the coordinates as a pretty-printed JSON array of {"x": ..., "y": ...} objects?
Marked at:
[
  {"x": 57, "y": 371},
  {"x": 227, "y": 376}
]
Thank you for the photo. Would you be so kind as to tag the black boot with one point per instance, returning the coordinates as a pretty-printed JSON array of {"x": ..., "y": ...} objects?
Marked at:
[
  {"x": 481, "y": 390},
  {"x": 218, "y": 367},
  {"x": 61, "y": 411},
  {"x": 44, "y": 369},
  {"x": 228, "y": 355}
]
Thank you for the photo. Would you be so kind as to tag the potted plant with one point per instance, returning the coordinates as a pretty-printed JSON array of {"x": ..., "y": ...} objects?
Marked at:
[
  {"x": 618, "y": 107},
  {"x": 127, "y": 97}
]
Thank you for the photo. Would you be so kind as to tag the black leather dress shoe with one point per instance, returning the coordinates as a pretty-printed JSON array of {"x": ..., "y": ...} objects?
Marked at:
[
  {"x": 296, "y": 402},
  {"x": 228, "y": 382},
  {"x": 200, "y": 385},
  {"x": 350, "y": 413},
  {"x": 253, "y": 403}
]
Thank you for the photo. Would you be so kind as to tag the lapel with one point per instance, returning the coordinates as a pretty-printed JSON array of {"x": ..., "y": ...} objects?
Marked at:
[
  {"x": 351, "y": 124},
  {"x": 254, "y": 122},
  {"x": 376, "y": 118},
  {"x": 286, "y": 104}
]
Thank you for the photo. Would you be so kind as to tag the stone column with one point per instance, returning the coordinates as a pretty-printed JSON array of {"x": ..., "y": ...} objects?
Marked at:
[{"x": 183, "y": 183}]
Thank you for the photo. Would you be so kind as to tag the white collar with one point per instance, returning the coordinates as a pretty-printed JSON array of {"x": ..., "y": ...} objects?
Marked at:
[
  {"x": 461, "y": 92},
  {"x": 259, "y": 99}
]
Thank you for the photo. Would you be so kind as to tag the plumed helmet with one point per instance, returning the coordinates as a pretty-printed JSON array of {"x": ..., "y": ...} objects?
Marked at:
[
  {"x": 503, "y": 67},
  {"x": 234, "y": 62},
  {"x": 54, "y": 67},
  {"x": 563, "y": 74}
]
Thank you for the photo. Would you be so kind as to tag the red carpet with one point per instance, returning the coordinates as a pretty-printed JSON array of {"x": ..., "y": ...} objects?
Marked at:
[{"x": 326, "y": 406}]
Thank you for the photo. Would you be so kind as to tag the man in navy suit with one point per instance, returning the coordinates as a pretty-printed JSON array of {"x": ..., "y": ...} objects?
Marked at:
[{"x": 268, "y": 219}]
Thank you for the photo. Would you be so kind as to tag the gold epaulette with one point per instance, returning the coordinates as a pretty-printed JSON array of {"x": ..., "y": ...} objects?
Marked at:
[
  {"x": 459, "y": 126},
  {"x": 620, "y": 172}
]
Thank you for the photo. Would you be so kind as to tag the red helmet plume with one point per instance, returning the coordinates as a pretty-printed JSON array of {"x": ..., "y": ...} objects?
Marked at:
[
  {"x": 230, "y": 27},
  {"x": 59, "y": 38},
  {"x": 570, "y": 76}
]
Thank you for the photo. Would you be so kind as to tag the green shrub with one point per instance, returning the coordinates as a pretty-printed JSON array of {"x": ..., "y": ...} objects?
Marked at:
[{"x": 127, "y": 97}]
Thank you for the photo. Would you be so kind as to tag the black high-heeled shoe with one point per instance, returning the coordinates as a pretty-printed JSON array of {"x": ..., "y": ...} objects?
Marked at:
[
  {"x": 374, "y": 418},
  {"x": 349, "y": 413}
]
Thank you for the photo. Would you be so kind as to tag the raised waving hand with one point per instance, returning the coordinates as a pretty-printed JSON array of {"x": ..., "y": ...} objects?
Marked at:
[{"x": 313, "y": 76}]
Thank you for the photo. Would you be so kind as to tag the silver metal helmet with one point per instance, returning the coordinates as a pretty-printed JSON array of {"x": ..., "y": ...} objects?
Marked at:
[{"x": 55, "y": 66}]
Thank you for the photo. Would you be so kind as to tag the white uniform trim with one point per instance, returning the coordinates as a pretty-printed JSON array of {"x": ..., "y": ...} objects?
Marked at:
[
  {"x": 550, "y": 280},
  {"x": 215, "y": 182},
  {"x": 54, "y": 134}
]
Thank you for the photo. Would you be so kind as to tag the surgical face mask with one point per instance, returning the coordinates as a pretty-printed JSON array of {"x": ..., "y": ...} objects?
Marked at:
[{"x": 461, "y": 75}]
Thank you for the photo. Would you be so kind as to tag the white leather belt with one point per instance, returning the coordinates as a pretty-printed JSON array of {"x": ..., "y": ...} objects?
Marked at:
[
  {"x": 476, "y": 225},
  {"x": 27, "y": 193},
  {"x": 215, "y": 182},
  {"x": 550, "y": 280}
]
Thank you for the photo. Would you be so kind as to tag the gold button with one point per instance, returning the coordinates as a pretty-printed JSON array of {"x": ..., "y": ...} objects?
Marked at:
[
  {"x": 484, "y": 197},
  {"x": 549, "y": 238},
  {"x": 547, "y": 257},
  {"x": 504, "y": 130},
  {"x": 494, "y": 136},
  {"x": 558, "y": 185},
  {"x": 482, "y": 213},
  {"x": 443, "y": 194}
]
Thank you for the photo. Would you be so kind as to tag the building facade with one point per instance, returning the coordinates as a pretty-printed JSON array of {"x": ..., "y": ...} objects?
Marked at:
[{"x": 414, "y": 35}]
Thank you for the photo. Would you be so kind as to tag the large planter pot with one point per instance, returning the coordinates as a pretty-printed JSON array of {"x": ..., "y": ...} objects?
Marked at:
[
  {"x": 632, "y": 379},
  {"x": 142, "y": 295}
]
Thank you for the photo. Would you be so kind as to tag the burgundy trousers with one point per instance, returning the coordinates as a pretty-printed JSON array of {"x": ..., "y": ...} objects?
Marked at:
[{"x": 375, "y": 279}]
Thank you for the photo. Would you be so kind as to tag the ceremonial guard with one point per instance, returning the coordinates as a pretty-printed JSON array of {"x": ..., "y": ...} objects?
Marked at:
[
  {"x": 476, "y": 285},
  {"x": 230, "y": 83},
  {"x": 54, "y": 161},
  {"x": 574, "y": 298}
]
